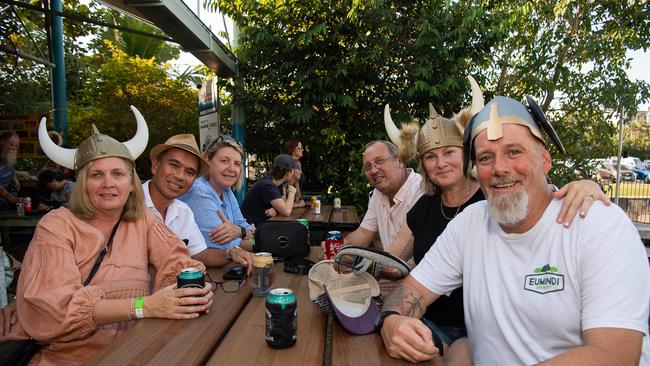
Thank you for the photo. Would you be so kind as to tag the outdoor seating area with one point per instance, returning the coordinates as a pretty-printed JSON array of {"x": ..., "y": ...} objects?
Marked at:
[
  {"x": 234, "y": 333},
  {"x": 213, "y": 182}
]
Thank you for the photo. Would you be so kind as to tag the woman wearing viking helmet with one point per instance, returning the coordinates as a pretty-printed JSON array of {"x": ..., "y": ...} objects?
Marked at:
[
  {"x": 447, "y": 191},
  {"x": 56, "y": 304}
]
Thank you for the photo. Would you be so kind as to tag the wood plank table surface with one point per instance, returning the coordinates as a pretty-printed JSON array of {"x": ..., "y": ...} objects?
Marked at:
[
  {"x": 346, "y": 219},
  {"x": 296, "y": 213},
  {"x": 321, "y": 219},
  {"x": 245, "y": 343},
  {"x": 10, "y": 218},
  {"x": 346, "y": 350},
  {"x": 178, "y": 342}
]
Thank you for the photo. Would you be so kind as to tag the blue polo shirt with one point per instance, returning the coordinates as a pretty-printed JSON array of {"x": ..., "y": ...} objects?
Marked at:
[{"x": 204, "y": 202}]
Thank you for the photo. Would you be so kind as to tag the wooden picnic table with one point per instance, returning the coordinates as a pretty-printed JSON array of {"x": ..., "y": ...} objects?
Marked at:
[
  {"x": 346, "y": 219},
  {"x": 234, "y": 334},
  {"x": 178, "y": 342},
  {"x": 10, "y": 218}
]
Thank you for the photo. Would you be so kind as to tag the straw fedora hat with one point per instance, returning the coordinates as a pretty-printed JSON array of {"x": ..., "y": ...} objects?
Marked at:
[{"x": 185, "y": 142}]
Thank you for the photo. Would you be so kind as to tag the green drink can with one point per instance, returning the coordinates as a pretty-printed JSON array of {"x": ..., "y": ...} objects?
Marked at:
[
  {"x": 281, "y": 318},
  {"x": 190, "y": 278}
]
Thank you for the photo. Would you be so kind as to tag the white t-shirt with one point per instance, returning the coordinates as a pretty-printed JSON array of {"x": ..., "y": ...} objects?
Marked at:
[
  {"x": 180, "y": 221},
  {"x": 387, "y": 220},
  {"x": 528, "y": 297}
]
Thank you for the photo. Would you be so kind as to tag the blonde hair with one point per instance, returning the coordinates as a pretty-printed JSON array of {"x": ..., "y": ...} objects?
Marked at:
[
  {"x": 82, "y": 207},
  {"x": 214, "y": 148},
  {"x": 427, "y": 185}
]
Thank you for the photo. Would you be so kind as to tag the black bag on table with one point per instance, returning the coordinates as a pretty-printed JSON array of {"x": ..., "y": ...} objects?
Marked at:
[
  {"x": 18, "y": 353},
  {"x": 282, "y": 239}
]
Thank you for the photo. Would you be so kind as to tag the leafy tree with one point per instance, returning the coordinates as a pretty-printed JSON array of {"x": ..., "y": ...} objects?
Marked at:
[
  {"x": 135, "y": 44},
  {"x": 168, "y": 105},
  {"x": 571, "y": 56},
  {"x": 24, "y": 84},
  {"x": 321, "y": 72}
]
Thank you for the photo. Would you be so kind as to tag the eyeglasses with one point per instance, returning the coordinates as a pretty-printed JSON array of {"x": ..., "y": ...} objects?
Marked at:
[
  {"x": 225, "y": 139},
  {"x": 377, "y": 163},
  {"x": 228, "y": 286}
]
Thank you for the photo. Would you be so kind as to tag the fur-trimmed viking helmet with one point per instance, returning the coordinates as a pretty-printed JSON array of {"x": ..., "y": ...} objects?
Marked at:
[
  {"x": 96, "y": 146},
  {"x": 436, "y": 132}
]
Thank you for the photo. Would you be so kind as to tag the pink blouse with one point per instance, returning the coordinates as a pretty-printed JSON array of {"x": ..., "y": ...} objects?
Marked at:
[{"x": 54, "y": 307}]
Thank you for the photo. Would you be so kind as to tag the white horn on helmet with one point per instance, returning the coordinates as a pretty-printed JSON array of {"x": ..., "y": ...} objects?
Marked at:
[
  {"x": 138, "y": 143},
  {"x": 391, "y": 129},
  {"x": 432, "y": 111},
  {"x": 477, "y": 96},
  {"x": 58, "y": 154}
]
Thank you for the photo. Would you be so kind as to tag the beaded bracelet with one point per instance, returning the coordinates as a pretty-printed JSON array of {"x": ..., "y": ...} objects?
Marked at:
[{"x": 131, "y": 311}]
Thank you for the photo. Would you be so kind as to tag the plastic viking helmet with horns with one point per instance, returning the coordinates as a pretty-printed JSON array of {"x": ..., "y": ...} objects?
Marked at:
[
  {"x": 437, "y": 130},
  {"x": 96, "y": 146}
]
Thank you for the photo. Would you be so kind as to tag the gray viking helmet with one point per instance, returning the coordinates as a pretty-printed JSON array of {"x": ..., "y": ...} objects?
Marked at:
[
  {"x": 502, "y": 110},
  {"x": 96, "y": 146}
]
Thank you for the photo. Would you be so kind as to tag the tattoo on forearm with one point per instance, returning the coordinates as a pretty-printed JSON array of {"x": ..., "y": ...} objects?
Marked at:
[{"x": 404, "y": 300}]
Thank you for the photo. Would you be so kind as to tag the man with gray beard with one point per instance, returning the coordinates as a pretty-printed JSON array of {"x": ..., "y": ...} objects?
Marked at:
[
  {"x": 534, "y": 292},
  {"x": 9, "y": 185}
]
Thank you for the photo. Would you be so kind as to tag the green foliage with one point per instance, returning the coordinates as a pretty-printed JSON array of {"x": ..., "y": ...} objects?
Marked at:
[
  {"x": 322, "y": 72},
  {"x": 168, "y": 105},
  {"x": 571, "y": 56}
]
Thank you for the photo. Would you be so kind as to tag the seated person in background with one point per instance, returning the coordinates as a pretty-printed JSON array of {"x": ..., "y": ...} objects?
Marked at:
[
  {"x": 58, "y": 185},
  {"x": 174, "y": 167},
  {"x": 213, "y": 202},
  {"x": 300, "y": 202},
  {"x": 534, "y": 291},
  {"x": 294, "y": 148},
  {"x": 267, "y": 197},
  {"x": 9, "y": 185},
  {"x": 56, "y": 305}
]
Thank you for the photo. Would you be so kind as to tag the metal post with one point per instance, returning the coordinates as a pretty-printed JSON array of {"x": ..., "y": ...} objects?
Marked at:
[
  {"x": 59, "y": 97},
  {"x": 238, "y": 116},
  {"x": 620, "y": 154}
]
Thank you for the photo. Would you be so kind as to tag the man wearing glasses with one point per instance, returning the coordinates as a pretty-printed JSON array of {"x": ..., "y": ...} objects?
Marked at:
[
  {"x": 175, "y": 165},
  {"x": 397, "y": 188}
]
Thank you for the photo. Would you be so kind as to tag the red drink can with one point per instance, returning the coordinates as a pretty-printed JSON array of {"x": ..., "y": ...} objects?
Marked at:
[
  {"x": 27, "y": 202},
  {"x": 333, "y": 243}
]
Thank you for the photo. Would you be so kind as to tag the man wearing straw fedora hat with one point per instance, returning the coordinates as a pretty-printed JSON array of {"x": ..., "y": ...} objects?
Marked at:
[{"x": 174, "y": 166}]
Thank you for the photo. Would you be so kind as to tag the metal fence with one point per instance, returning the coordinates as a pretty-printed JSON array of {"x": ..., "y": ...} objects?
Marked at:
[{"x": 633, "y": 198}]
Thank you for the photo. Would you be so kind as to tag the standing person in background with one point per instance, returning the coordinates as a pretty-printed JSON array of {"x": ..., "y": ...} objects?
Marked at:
[
  {"x": 268, "y": 197},
  {"x": 213, "y": 202},
  {"x": 294, "y": 148},
  {"x": 9, "y": 185}
]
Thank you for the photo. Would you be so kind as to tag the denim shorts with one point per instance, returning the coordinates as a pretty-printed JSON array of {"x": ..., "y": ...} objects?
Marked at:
[{"x": 447, "y": 334}]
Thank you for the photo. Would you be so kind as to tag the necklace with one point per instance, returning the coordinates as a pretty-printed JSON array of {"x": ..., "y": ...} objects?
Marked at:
[{"x": 442, "y": 210}]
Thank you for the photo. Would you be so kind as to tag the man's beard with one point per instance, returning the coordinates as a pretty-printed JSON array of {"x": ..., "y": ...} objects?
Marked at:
[
  {"x": 8, "y": 158},
  {"x": 508, "y": 209}
]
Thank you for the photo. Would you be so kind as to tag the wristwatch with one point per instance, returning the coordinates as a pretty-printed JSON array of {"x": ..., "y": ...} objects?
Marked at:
[{"x": 379, "y": 322}]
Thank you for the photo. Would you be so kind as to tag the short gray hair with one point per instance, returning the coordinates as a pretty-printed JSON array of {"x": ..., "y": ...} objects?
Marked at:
[{"x": 392, "y": 149}]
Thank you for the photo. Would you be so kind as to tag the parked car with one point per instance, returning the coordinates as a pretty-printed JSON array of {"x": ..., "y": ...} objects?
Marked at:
[
  {"x": 604, "y": 170},
  {"x": 641, "y": 174},
  {"x": 627, "y": 175}
]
